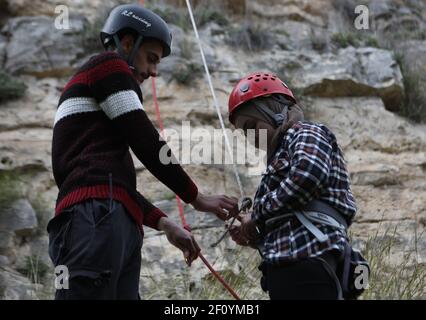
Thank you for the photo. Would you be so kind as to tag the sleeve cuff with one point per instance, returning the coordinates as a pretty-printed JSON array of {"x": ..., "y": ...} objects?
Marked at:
[
  {"x": 151, "y": 219},
  {"x": 190, "y": 194}
]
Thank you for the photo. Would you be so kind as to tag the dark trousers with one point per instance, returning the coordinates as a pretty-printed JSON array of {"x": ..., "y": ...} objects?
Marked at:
[
  {"x": 310, "y": 279},
  {"x": 100, "y": 245}
]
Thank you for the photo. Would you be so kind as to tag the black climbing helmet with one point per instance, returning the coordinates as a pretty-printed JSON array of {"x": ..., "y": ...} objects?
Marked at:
[{"x": 144, "y": 22}]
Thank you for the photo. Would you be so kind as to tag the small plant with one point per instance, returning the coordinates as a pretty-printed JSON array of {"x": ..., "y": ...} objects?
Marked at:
[
  {"x": 414, "y": 103},
  {"x": 10, "y": 87},
  {"x": 203, "y": 14},
  {"x": 187, "y": 72},
  {"x": 345, "y": 39},
  {"x": 90, "y": 36},
  {"x": 319, "y": 42},
  {"x": 371, "y": 41},
  {"x": 34, "y": 269},
  {"x": 406, "y": 280},
  {"x": 249, "y": 37},
  {"x": 246, "y": 282},
  {"x": 10, "y": 188},
  {"x": 207, "y": 14},
  {"x": 176, "y": 16},
  {"x": 354, "y": 39}
]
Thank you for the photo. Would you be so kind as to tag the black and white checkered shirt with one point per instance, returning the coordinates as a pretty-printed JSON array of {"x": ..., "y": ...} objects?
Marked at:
[{"x": 307, "y": 165}]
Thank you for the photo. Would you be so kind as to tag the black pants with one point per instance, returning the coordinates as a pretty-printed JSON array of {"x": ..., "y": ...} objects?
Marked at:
[
  {"x": 100, "y": 245},
  {"x": 310, "y": 279}
]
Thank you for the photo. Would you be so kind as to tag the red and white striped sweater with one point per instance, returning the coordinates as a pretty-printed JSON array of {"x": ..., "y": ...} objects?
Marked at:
[{"x": 99, "y": 116}]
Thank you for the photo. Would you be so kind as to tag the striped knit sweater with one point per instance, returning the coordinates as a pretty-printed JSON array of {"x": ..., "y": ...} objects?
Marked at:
[{"x": 99, "y": 116}]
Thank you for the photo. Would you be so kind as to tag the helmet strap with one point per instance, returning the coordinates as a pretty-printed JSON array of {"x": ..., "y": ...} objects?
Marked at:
[
  {"x": 134, "y": 51},
  {"x": 277, "y": 118},
  {"x": 118, "y": 46},
  {"x": 129, "y": 59}
]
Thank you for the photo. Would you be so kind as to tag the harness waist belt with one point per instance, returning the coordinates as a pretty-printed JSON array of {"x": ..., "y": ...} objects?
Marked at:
[
  {"x": 315, "y": 211},
  {"x": 327, "y": 210}
]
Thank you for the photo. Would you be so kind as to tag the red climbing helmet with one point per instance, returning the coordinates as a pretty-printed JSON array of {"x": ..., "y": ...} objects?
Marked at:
[{"x": 256, "y": 85}]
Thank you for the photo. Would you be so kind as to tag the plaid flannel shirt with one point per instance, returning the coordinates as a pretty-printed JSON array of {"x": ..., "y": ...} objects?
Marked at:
[{"x": 307, "y": 165}]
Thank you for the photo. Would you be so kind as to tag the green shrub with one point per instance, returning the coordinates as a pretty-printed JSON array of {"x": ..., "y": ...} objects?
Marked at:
[{"x": 10, "y": 87}]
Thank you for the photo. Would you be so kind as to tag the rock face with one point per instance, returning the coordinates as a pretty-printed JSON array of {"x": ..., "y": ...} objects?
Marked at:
[
  {"x": 353, "y": 90},
  {"x": 20, "y": 218},
  {"x": 34, "y": 49},
  {"x": 348, "y": 72},
  {"x": 55, "y": 7},
  {"x": 2, "y": 49}
]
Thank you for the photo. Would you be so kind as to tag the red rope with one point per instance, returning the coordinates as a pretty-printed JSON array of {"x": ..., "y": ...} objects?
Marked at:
[{"x": 179, "y": 202}]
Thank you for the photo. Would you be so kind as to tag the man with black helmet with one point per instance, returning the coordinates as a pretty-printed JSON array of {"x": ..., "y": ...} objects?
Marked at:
[{"x": 97, "y": 229}]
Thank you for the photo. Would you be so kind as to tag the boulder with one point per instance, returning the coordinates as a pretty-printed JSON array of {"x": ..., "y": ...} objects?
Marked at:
[
  {"x": 3, "y": 43},
  {"x": 47, "y": 7},
  {"x": 36, "y": 108},
  {"x": 20, "y": 218},
  {"x": 349, "y": 72},
  {"x": 285, "y": 11},
  {"x": 25, "y": 148},
  {"x": 354, "y": 72},
  {"x": 34, "y": 49},
  {"x": 364, "y": 124},
  {"x": 14, "y": 286},
  {"x": 414, "y": 53},
  {"x": 6, "y": 242}
]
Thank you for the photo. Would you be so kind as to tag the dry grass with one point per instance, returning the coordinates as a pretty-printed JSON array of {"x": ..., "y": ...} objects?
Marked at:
[{"x": 403, "y": 281}]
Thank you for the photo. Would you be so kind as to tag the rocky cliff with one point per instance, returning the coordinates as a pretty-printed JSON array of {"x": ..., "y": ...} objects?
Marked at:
[{"x": 368, "y": 86}]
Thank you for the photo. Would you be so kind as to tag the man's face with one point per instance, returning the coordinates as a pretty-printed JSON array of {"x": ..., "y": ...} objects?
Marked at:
[{"x": 147, "y": 57}]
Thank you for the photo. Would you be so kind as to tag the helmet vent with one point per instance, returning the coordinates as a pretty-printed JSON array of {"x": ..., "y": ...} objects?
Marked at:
[
  {"x": 257, "y": 80},
  {"x": 244, "y": 87}
]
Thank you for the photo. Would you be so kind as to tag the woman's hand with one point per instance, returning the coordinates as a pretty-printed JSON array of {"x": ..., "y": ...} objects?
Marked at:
[
  {"x": 245, "y": 234},
  {"x": 237, "y": 236},
  {"x": 248, "y": 227},
  {"x": 180, "y": 238},
  {"x": 222, "y": 206}
]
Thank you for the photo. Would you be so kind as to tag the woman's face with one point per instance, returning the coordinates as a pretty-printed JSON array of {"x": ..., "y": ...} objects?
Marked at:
[{"x": 258, "y": 128}]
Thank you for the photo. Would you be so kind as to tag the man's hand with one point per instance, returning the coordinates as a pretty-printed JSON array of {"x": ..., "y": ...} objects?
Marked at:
[
  {"x": 223, "y": 207},
  {"x": 181, "y": 239}
]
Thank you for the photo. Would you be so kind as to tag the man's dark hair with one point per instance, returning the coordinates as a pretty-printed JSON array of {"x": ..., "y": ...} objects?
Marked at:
[{"x": 121, "y": 34}]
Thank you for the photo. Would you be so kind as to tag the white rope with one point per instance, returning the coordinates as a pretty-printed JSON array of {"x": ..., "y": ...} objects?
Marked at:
[{"x": 216, "y": 104}]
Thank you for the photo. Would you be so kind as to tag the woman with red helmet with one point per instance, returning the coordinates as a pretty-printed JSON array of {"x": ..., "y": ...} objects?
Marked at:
[{"x": 304, "y": 203}]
